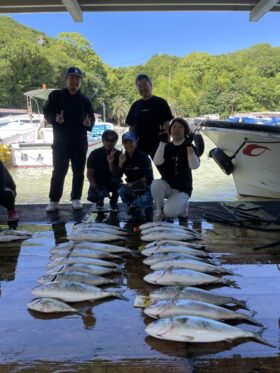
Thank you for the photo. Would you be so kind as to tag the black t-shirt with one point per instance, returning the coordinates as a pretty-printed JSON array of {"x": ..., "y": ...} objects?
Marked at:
[
  {"x": 136, "y": 167},
  {"x": 175, "y": 169},
  {"x": 75, "y": 109},
  {"x": 146, "y": 117},
  {"x": 97, "y": 161}
]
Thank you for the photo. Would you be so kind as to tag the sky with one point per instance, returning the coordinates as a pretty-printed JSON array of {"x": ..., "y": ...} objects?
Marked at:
[{"x": 131, "y": 38}]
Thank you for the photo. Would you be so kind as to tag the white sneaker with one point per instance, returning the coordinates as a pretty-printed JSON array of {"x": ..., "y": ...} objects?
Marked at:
[
  {"x": 76, "y": 204},
  {"x": 52, "y": 207},
  {"x": 158, "y": 215}
]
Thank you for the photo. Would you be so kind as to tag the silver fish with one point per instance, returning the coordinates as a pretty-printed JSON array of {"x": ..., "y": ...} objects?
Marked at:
[
  {"x": 155, "y": 258},
  {"x": 62, "y": 247},
  {"x": 174, "y": 243},
  {"x": 195, "y": 265},
  {"x": 173, "y": 235},
  {"x": 88, "y": 279},
  {"x": 101, "y": 226},
  {"x": 85, "y": 253},
  {"x": 165, "y": 229},
  {"x": 199, "y": 330},
  {"x": 94, "y": 230},
  {"x": 184, "y": 277},
  {"x": 162, "y": 224},
  {"x": 170, "y": 292},
  {"x": 174, "y": 249},
  {"x": 95, "y": 237},
  {"x": 73, "y": 292},
  {"x": 84, "y": 268},
  {"x": 14, "y": 232},
  {"x": 87, "y": 261},
  {"x": 102, "y": 246},
  {"x": 50, "y": 305},
  {"x": 186, "y": 307}
]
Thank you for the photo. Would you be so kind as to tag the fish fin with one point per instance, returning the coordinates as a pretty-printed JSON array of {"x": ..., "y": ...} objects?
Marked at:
[
  {"x": 242, "y": 303},
  {"x": 120, "y": 295},
  {"x": 231, "y": 283},
  {"x": 257, "y": 336}
]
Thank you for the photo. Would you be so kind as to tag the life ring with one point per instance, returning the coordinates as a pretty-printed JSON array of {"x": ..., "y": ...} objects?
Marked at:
[
  {"x": 222, "y": 160},
  {"x": 199, "y": 144}
]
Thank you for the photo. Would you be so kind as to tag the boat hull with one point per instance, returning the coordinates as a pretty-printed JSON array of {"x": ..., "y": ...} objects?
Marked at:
[
  {"x": 256, "y": 164},
  {"x": 38, "y": 154}
]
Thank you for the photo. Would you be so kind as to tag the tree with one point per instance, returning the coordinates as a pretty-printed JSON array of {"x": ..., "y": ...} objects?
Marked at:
[{"x": 120, "y": 109}]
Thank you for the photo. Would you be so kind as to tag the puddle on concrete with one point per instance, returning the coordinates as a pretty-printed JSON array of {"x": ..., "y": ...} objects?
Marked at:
[{"x": 111, "y": 332}]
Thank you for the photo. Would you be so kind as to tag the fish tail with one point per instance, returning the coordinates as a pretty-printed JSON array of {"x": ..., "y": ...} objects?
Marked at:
[
  {"x": 253, "y": 321},
  {"x": 241, "y": 302},
  {"x": 231, "y": 283},
  {"x": 120, "y": 295},
  {"x": 257, "y": 336}
]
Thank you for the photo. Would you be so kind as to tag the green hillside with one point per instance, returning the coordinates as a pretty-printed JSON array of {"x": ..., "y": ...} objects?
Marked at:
[{"x": 199, "y": 83}]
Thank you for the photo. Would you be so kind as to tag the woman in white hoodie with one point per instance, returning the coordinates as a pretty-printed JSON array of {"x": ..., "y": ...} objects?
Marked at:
[{"x": 175, "y": 159}]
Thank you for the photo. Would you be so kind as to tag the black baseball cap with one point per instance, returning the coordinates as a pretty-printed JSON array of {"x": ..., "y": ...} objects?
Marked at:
[{"x": 74, "y": 71}]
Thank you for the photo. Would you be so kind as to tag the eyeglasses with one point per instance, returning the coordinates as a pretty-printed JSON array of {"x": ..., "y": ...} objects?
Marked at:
[{"x": 110, "y": 140}]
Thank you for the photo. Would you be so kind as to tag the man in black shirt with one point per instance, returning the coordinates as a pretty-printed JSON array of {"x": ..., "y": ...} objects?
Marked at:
[
  {"x": 8, "y": 193},
  {"x": 101, "y": 169},
  {"x": 71, "y": 115},
  {"x": 148, "y": 116}
]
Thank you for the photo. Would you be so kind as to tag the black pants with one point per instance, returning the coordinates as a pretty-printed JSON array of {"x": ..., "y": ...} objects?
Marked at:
[
  {"x": 63, "y": 152},
  {"x": 7, "y": 199},
  {"x": 102, "y": 191}
]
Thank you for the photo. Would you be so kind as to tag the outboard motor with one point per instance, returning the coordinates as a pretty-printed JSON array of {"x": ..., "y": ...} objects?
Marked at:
[{"x": 222, "y": 160}]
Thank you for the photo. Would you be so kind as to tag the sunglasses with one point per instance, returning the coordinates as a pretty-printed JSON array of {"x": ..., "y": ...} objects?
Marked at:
[{"x": 110, "y": 140}]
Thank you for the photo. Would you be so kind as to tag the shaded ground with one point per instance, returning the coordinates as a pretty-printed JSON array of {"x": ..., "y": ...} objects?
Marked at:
[{"x": 109, "y": 335}]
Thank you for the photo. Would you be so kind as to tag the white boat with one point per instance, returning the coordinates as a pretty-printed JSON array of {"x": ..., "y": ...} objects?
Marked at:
[
  {"x": 39, "y": 153},
  {"x": 19, "y": 128},
  {"x": 250, "y": 152}
]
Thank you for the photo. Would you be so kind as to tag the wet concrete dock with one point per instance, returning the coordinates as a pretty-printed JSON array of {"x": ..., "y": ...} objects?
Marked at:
[{"x": 109, "y": 335}]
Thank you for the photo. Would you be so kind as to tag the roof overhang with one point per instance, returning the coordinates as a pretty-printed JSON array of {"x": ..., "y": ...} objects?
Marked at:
[{"x": 257, "y": 8}]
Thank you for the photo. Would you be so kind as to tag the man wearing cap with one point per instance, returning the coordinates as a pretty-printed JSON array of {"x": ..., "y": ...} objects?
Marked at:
[
  {"x": 148, "y": 116},
  {"x": 137, "y": 168},
  {"x": 71, "y": 115},
  {"x": 101, "y": 169}
]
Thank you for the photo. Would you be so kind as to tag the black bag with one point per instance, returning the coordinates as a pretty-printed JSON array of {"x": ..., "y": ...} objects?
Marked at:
[{"x": 136, "y": 189}]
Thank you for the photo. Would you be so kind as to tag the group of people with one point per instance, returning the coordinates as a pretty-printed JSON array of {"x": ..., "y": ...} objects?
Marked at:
[{"x": 153, "y": 134}]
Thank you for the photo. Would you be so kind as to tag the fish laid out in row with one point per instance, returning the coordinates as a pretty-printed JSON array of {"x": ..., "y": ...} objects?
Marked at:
[
  {"x": 199, "y": 330},
  {"x": 75, "y": 271},
  {"x": 186, "y": 307},
  {"x": 187, "y": 313},
  {"x": 96, "y": 232},
  {"x": 180, "y": 292}
]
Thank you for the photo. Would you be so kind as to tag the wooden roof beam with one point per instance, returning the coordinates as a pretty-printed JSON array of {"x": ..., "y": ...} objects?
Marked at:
[
  {"x": 74, "y": 9},
  {"x": 261, "y": 9}
]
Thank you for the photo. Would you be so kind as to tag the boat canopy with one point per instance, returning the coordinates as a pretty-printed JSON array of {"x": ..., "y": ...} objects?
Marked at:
[{"x": 42, "y": 94}]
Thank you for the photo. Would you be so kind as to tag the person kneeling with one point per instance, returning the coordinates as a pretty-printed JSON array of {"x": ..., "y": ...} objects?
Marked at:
[
  {"x": 8, "y": 193},
  {"x": 101, "y": 172},
  {"x": 137, "y": 168},
  {"x": 176, "y": 160}
]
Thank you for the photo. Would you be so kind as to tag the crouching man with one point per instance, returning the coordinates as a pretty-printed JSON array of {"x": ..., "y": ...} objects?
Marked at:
[
  {"x": 101, "y": 172},
  {"x": 8, "y": 193}
]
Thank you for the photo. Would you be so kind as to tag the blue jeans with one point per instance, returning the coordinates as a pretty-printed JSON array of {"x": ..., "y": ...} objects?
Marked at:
[{"x": 141, "y": 200}]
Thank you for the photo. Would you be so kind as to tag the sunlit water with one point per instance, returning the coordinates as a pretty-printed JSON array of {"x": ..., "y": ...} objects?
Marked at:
[{"x": 210, "y": 184}]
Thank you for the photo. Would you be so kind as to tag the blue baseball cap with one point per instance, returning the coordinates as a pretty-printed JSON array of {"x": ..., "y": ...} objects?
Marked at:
[
  {"x": 129, "y": 136},
  {"x": 74, "y": 71}
]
